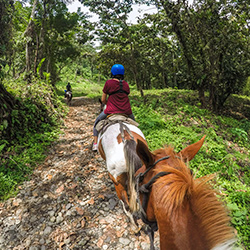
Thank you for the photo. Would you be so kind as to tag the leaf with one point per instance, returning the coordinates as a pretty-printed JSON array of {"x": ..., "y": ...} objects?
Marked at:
[
  {"x": 238, "y": 214},
  {"x": 39, "y": 66},
  {"x": 230, "y": 170},
  {"x": 101, "y": 196},
  {"x": 49, "y": 176},
  {"x": 79, "y": 210},
  {"x": 91, "y": 201},
  {"x": 232, "y": 206},
  {"x": 5, "y": 124},
  {"x": 2, "y": 147}
]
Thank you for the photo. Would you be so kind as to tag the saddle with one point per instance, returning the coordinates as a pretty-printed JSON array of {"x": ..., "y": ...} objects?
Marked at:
[{"x": 115, "y": 118}]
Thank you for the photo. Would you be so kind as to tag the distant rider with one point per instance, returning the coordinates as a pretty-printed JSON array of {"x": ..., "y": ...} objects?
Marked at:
[{"x": 68, "y": 89}]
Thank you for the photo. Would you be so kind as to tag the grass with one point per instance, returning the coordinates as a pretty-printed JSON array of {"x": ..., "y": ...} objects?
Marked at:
[
  {"x": 80, "y": 87},
  {"x": 33, "y": 126}
]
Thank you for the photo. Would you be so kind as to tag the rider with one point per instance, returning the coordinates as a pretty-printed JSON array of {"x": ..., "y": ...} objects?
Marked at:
[
  {"x": 117, "y": 91},
  {"x": 68, "y": 87}
]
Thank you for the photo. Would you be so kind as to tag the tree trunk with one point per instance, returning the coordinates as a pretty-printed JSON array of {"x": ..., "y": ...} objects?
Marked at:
[
  {"x": 36, "y": 54},
  {"x": 202, "y": 97},
  {"x": 28, "y": 33},
  {"x": 42, "y": 40},
  {"x": 27, "y": 50}
]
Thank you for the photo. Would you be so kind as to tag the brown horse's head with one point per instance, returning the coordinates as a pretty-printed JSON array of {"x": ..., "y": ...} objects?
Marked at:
[{"x": 187, "y": 211}]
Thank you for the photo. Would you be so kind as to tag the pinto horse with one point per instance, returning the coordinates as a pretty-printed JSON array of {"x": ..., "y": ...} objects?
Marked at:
[
  {"x": 68, "y": 96},
  {"x": 117, "y": 146},
  {"x": 186, "y": 211}
]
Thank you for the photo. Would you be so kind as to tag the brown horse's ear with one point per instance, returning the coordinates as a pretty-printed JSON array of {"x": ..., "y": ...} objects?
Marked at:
[
  {"x": 190, "y": 151},
  {"x": 143, "y": 152}
]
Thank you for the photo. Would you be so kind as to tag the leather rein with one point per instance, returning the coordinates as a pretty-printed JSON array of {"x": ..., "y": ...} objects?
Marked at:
[{"x": 145, "y": 191}]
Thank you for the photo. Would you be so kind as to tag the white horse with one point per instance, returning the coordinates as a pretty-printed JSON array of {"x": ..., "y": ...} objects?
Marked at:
[
  {"x": 68, "y": 96},
  {"x": 117, "y": 146}
]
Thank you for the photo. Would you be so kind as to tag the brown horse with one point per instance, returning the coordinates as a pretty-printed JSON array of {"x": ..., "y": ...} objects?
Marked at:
[{"x": 187, "y": 212}]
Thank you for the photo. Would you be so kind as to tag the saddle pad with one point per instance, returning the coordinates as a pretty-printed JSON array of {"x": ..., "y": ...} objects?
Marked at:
[{"x": 113, "y": 119}]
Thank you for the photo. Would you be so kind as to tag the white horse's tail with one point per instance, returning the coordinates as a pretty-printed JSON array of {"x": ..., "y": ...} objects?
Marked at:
[
  {"x": 228, "y": 245},
  {"x": 133, "y": 163}
]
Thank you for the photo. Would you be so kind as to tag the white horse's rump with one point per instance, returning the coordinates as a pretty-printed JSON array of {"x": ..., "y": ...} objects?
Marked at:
[{"x": 114, "y": 151}]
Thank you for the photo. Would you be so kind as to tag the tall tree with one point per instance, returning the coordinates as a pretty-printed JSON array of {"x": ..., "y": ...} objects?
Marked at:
[
  {"x": 214, "y": 38},
  {"x": 28, "y": 33},
  {"x": 6, "y": 8},
  {"x": 6, "y": 99},
  {"x": 52, "y": 35},
  {"x": 135, "y": 46}
]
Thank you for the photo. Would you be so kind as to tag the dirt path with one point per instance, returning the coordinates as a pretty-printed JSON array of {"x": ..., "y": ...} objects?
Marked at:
[{"x": 70, "y": 202}]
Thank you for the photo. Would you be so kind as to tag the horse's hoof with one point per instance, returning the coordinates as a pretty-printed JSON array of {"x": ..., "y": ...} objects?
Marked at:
[
  {"x": 136, "y": 230},
  {"x": 138, "y": 233}
]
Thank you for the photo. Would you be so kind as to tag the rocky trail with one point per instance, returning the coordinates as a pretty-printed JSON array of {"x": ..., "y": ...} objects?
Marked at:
[{"x": 69, "y": 201}]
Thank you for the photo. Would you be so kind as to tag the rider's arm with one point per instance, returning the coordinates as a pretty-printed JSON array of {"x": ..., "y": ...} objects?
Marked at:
[{"x": 104, "y": 98}]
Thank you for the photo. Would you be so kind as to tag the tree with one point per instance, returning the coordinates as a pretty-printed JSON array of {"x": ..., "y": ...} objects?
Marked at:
[
  {"x": 6, "y": 8},
  {"x": 214, "y": 38},
  {"x": 6, "y": 99},
  {"x": 140, "y": 47},
  {"x": 51, "y": 36}
]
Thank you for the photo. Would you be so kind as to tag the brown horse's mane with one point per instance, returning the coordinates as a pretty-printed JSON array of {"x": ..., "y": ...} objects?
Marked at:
[{"x": 180, "y": 187}]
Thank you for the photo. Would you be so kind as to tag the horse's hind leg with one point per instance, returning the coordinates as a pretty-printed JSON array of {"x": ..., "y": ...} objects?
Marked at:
[
  {"x": 120, "y": 184},
  {"x": 121, "y": 192}
]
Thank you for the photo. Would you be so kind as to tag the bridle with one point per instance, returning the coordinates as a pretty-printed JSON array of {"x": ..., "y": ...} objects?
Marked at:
[{"x": 145, "y": 190}]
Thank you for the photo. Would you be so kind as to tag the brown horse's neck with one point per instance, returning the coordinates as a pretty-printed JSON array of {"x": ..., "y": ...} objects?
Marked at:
[
  {"x": 189, "y": 215},
  {"x": 179, "y": 230}
]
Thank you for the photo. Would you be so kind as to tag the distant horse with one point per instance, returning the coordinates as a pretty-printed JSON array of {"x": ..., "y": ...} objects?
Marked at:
[
  {"x": 68, "y": 96},
  {"x": 185, "y": 210},
  {"x": 117, "y": 146}
]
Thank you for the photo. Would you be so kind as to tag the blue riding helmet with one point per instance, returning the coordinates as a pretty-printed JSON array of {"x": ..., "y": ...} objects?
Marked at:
[
  {"x": 117, "y": 69},
  {"x": 65, "y": 90}
]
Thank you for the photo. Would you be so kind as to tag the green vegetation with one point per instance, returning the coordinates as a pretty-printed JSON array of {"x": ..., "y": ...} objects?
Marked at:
[
  {"x": 173, "y": 117},
  {"x": 199, "y": 45},
  {"x": 34, "y": 124},
  {"x": 196, "y": 56},
  {"x": 83, "y": 84}
]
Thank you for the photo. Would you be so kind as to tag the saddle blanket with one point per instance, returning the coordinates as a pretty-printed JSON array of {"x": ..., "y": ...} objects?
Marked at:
[{"x": 114, "y": 118}]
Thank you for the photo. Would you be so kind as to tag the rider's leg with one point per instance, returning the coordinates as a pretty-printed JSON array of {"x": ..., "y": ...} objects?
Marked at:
[
  {"x": 100, "y": 117},
  {"x": 132, "y": 116},
  {"x": 95, "y": 139}
]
